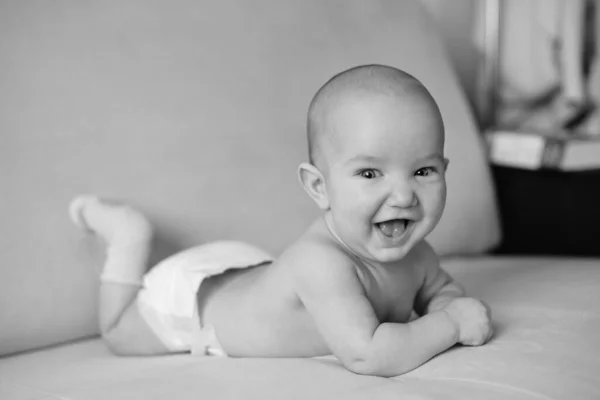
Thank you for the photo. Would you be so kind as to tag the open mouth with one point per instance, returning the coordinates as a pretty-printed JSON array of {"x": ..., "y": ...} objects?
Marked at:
[{"x": 393, "y": 228}]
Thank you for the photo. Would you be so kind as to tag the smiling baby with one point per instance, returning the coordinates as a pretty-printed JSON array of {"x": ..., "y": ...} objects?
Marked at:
[{"x": 351, "y": 285}]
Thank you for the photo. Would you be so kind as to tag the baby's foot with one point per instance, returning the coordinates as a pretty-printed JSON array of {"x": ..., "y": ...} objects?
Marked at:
[{"x": 118, "y": 224}]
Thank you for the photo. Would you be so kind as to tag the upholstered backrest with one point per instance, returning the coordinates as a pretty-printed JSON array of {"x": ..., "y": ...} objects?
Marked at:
[{"x": 194, "y": 111}]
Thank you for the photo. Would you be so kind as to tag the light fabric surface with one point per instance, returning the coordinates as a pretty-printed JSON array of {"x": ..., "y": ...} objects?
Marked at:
[
  {"x": 546, "y": 313},
  {"x": 193, "y": 111}
]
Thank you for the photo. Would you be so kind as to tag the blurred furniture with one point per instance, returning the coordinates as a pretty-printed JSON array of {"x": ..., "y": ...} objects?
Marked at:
[
  {"x": 547, "y": 181},
  {"x": 194, "y": 111}
]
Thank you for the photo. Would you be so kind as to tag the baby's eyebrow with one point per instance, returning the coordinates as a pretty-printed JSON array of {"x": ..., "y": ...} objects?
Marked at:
[
  {"x": 365, "y": 158},
  {"x": 362, "y": 158},
  {"x": 434, "y": 157}
]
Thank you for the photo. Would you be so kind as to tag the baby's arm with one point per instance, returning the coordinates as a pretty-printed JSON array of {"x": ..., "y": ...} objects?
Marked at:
[
  {"x": 329, "y": 288},
  {"x": 441, "y": 292},
  {"x": 438, "y": 287}
]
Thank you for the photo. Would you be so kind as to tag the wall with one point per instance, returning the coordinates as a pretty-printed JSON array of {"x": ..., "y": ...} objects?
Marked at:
[
  {"x": 194, "y": 112},
  {"x": 455, "y": 20}
]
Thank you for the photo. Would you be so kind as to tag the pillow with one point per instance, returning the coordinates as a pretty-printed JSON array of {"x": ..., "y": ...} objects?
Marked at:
[{"x": 193, "y": 111}]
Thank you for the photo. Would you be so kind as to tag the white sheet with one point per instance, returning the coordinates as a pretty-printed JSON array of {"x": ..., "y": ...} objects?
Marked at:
[{"x": 547, "y": 346}]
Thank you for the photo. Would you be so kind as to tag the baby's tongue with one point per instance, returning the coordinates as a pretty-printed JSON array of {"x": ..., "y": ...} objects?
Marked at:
[{"x": 392, "y": 228}]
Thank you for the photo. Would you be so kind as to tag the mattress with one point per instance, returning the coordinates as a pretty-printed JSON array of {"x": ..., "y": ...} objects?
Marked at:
[{"x": 546, "y": 313}]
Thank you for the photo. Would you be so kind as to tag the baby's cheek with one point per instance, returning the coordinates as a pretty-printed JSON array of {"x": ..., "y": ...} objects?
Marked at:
[
  {"x": 351, "y": 200},
  {"x": 434, "y": 201}
]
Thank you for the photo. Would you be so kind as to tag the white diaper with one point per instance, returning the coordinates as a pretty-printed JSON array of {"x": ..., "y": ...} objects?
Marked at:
[{"x": 167, "y": 302}]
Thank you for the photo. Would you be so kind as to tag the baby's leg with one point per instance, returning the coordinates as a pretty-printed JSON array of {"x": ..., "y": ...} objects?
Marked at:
[{"x": 128, "y": 238}]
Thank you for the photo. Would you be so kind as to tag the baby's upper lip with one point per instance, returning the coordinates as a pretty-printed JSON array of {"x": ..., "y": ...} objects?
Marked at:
[{"x": 406, "y": 217}]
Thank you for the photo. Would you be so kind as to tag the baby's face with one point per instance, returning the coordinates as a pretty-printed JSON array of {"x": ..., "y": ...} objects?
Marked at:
[{"x": 385, "y": 173}]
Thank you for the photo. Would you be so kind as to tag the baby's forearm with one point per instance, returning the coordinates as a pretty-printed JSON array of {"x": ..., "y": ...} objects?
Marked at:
[{"x": 398, "y": 348}]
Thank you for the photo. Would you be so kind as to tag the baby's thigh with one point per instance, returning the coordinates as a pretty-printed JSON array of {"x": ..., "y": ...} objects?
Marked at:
[{"x": 132, "y": 336}]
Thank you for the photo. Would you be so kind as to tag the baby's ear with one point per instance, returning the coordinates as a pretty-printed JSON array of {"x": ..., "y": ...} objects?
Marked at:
[{"x": 313, "y": 182}]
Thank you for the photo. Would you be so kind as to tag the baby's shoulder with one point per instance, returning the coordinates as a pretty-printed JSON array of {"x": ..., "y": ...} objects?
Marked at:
[
  {"x": 316, "y": 250},
  {"x": 422, "y": 259},
  {"x": 317, "y": 256},
  {"x": 422, "y": 254}
]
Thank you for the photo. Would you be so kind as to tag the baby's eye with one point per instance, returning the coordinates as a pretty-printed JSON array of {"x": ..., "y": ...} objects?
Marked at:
[
  {"x": 426, "y": 171},
  {"x": 369, "y": 173}
]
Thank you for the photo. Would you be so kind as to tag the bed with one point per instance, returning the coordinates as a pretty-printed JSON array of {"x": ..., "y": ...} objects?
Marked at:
[{"x": 194, "y": 111}]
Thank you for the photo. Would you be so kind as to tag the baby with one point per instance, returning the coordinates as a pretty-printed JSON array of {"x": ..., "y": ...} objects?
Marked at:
[{"x": 347, "y": 286}]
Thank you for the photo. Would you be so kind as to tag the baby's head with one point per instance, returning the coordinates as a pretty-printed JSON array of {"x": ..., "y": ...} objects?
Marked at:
[{"x": 377, "y": 166}]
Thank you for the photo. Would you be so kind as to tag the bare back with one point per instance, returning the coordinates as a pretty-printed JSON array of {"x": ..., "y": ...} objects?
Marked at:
[{"x": 259, "y": 312}]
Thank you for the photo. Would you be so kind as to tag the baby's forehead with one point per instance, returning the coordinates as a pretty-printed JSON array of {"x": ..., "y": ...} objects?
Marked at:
[
  {"x": 356, "y": 90},
  {"x": 366, "y": 121},
  {"x": 357, "y": 107}
]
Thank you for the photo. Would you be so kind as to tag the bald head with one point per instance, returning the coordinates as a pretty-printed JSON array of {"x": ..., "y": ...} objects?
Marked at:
[{"x": 362, "y": 80}]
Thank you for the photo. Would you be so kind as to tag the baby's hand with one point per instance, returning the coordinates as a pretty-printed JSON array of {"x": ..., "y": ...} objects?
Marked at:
[{"x": 472, "y": 318}]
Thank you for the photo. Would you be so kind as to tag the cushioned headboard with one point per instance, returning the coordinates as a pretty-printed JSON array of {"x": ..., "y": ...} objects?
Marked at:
[{"x": 194, "y": 111}]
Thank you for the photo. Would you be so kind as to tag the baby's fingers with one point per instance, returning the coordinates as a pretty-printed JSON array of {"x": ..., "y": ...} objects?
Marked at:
[{"x": 478, "y": 334}]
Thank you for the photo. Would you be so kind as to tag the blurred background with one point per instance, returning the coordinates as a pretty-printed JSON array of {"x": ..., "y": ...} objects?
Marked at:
[{"x": 531, "y": 71}]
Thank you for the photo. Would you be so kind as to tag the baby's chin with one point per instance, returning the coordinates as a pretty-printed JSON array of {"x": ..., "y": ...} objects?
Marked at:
[{"x": 387, "y": 255}]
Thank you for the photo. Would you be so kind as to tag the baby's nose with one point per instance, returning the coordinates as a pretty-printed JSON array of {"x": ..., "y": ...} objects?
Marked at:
[{"x": 402, "y": 196}]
